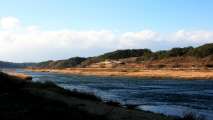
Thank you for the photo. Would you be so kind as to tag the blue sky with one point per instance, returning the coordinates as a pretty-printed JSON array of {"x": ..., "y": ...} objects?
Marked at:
[{"x": 40, "y": 30}]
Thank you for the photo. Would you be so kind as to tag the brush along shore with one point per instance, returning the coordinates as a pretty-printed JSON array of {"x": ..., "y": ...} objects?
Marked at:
[
  {"x": 21, "y": 99},
  {"x": 138, "y": 73}
]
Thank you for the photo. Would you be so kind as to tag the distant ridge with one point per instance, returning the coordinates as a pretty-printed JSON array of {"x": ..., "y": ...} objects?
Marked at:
[
  {"x": 83, "y": 62},
  {"x": 202, "y": 52},
  {"x": 11, "y": 65}
]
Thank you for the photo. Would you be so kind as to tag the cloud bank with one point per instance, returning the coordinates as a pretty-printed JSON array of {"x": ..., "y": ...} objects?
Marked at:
[
  {"x": 10, "y": 23},
  {"x": 36, "y": 45}
]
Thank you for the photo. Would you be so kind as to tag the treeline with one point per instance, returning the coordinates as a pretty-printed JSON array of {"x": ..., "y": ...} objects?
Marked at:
[
  {"x": 83, "y": 62},
  {"x": 120, "y": 54},
  {"x": 12, "y": 65},
  {"x": 116, "y": 55},
  {"x": 198, "y": 52},
  {"x": 60, "y": 64}
]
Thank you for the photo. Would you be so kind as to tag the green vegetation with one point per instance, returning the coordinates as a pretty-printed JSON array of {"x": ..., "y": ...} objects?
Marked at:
[
  {"x": 202, "y": 51},
  {"x": 199, "y": 52},
  {"x": 83, "y": 62},
  {"x": 60, "y": 64},
  {"x": 120, "y": 54}
]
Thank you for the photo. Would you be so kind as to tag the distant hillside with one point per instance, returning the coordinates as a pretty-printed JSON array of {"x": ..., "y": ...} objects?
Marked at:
[
  {"x": 83, "y": 62},
  {"x": 198, "y": 52},
  {"x": 11, "y": 65},
  {"x": 120, "y": 54},
  {"x": 60, "y": 64}
]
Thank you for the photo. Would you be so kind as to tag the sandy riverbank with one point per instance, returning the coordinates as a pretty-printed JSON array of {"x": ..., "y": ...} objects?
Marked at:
[{"x": 176, "y": 74}]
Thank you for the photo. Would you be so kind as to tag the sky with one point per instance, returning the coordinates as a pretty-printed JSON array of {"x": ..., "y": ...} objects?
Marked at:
[{"x": 41, "y": 30}]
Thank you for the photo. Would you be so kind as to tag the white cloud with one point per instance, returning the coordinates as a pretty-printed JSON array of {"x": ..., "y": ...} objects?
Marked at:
[
  {"x": 6, "y": 36},
  {"x": 192, "y": 36},
  {"x": 116, "y": 30},
  {"x": 33, "y": 28},
  {"x": 10, "y": 23},
  {"x": 37, "y": 45}
]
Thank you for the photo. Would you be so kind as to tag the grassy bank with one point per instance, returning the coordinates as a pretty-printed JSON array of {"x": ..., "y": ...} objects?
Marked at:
[
  {"x": 20, "y": 99},
  {"x": 20, "y": 75},
  {"x": 139, "y": 73}
]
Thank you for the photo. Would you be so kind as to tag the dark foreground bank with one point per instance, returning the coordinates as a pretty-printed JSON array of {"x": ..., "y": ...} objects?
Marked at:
[{"x": 21, "y": 99}]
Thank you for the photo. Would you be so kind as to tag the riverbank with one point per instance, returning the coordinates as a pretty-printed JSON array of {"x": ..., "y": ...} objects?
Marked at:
[
  {"x": 174, "y": 74},
  {"x": 26, "y": 100},
  {"x": 20, "y": 75}
]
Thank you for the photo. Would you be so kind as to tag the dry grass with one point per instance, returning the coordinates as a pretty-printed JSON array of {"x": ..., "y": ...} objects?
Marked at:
[
  {"x": 21, "y": 76},
  {"x": 154, "y": 73}
]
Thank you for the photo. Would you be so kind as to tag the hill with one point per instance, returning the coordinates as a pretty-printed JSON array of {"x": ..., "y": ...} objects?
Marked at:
[
  {"x": 187, "y": 57},
  {"x": 120, "y": 54},
  {"x": 83, "y": 62},
  {"x": 60, "y": 64},
  {"x": 201, "y": 56},
  {"x": 199, "y": 52},
  {"x": 12, "y": 65}
]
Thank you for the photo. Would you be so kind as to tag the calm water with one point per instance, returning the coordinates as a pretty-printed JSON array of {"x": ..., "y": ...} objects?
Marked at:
[{"x": 167, "y": 96}]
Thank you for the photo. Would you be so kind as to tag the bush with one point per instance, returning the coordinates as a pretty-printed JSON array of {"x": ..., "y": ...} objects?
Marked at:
[
  {"x": 123, "y": 71},
  {"x": 192, "y": 116},
  {"x": 113, "y": 103},
  {"x": 130, "y": 106},
  {"x": 83, "y": 95}
]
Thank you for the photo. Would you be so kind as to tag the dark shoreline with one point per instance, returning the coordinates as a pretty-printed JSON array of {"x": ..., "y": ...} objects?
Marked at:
[{"x": 31, "y": 97}]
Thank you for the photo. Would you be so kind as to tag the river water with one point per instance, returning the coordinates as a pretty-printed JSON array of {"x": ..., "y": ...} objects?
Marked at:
[{"x": 167, "y": 96}]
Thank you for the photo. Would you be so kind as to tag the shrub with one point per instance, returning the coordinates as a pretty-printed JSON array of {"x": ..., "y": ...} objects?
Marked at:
[
  {"x": 83, "y": 95},
  {"x": 192, "y": 116},
  {"x": 113, "y": 103},
  {"x": 205, "y": 68},
  {"x": 129, "y": 106},
  {"x": 123, "y": 71}
]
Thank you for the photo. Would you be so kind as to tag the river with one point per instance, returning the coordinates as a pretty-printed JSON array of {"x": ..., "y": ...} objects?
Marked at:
[{"x": 167, "y": 96}]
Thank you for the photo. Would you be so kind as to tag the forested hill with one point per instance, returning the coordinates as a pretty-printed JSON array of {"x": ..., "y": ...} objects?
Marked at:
[
  {"x": 60, "y": 64},
  {"x": 120, "y": 54},
  {"x": 198, "y": 52},
  {"x": 83, "y": 62},
  {"x": 11, "y": 65},
  {"x": 142, "y": 54}
]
